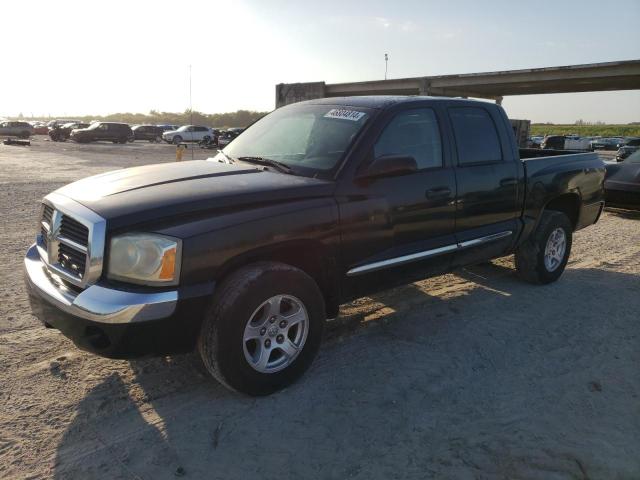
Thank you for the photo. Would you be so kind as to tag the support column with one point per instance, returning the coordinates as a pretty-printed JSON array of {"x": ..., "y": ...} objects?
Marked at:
[
  {"x": 287, "y": 93},
  {"x": 425, "y": 87}
]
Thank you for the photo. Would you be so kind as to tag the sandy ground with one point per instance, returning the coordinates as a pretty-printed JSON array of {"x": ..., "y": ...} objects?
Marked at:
[{"x": 472, "y": 375}]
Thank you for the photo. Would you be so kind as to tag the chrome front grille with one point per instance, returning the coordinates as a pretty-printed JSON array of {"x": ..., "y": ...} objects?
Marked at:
[
  {"x": 72, "y": 260},
  {"x": 71, "y": 240},
  {"x": 74, "y": 231},
  {"x": 47, "y": 213}
]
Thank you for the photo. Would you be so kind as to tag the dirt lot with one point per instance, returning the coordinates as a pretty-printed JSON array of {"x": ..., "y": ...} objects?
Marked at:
[{"x": 471, "y": 375}]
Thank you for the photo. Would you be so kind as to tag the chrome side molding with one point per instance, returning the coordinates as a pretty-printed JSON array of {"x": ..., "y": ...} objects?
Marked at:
[
  {"x": 481, "y": 240},
  {"x": 393, "y": 262}
]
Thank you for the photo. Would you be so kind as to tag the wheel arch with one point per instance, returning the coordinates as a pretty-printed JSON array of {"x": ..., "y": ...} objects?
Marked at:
[
  {"x": 567, "y": 203},
  {"x": 312, "y": 257}
]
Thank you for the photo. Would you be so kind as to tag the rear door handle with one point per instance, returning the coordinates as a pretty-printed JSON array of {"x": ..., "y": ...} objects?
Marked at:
[
  {"x": 507, "y": 182},
  {"x": 438, "y": 193}
]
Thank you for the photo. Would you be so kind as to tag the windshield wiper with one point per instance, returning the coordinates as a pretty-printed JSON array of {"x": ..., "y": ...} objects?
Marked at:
[{"x": 282, "y": 167}]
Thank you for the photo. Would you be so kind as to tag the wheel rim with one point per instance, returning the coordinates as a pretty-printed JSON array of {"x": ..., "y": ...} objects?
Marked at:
[
  {"x": 555, "y": 249},
  {"x": 275, "y": 334}
]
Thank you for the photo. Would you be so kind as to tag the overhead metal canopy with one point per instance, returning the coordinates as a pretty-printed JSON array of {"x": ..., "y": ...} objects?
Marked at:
[{"x": 623, "y": 75}]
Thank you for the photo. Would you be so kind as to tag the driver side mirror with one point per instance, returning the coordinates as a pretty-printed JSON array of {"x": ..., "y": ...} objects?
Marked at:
[{"x": 389, "y": 166}]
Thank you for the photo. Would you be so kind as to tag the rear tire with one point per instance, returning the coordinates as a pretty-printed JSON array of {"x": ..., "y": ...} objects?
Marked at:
[
  {"x": 543, "y": 257},
  {"x": 241, "y": 305}
]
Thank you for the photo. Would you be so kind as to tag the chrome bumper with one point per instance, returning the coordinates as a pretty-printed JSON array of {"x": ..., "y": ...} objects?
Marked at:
[{"x": 97, "y": 303}]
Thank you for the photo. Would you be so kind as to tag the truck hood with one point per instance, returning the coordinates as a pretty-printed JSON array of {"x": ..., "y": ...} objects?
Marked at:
[{"x": 163, "y": 191}]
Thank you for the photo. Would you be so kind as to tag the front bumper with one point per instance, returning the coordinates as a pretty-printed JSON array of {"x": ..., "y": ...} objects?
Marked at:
[
  {"x": 622, "y": 194},
  {"x": 110, "y": 322}
]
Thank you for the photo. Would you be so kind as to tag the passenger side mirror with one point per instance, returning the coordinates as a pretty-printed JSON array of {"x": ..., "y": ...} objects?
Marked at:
[{"x": 389, "y": 166}]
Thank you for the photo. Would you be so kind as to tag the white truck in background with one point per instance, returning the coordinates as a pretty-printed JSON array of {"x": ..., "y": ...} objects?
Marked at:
[{"x": 574, "y": 142}]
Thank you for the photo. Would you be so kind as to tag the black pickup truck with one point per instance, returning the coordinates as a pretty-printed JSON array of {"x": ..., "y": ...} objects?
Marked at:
[{"x": 246, "y": 255}]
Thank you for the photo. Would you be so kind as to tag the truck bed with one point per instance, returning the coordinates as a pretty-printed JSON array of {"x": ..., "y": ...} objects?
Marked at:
[
  {"x": 554, "y": 162},
  {"x": 577, "y": 176},
  {"x": 526, "y": 153}
]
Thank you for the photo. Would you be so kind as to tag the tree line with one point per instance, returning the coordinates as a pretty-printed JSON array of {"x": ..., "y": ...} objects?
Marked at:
[
  {"x": 239, "y": 118},
  {"x": 602, "y": 130}
]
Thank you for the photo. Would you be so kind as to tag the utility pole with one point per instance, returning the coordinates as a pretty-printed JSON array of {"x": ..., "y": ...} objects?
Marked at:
[
  {"x": 386, "y": 63},
  {"x": 190, "y": 102},
  {"x": 191, "y": 112}
]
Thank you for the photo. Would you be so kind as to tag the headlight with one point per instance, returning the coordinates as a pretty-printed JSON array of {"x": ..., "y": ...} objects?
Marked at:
[{"x": 145, "y": 258}]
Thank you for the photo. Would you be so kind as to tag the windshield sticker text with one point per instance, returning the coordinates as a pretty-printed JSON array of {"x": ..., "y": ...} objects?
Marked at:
[{"x": 344, "y": 114}]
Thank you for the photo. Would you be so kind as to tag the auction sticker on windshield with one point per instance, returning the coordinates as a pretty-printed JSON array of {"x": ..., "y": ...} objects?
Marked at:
[{"x": 344, "y": 114}]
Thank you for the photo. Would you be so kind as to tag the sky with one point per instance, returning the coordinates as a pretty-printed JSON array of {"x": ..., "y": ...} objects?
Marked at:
[{"x": 87, "y": 57}]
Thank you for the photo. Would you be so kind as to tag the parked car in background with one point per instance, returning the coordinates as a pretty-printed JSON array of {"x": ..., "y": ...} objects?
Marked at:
[
  {"x": 605, "y": 143},
  {"x": 633, "y": 141},
  {"x": 213, "y": 142},
  {"x": 246, "y": 255},
  {"x": 535, "y": 142},
  {"x": 12, "y": 128},
  {"x": 566, "y": 142},
  {"x": 226, "y": 136},
  {"x": 103, "y": 131},
  {"x": 39, "y": 128},
  {"x": 167, "y": 128},
  {"x": 631, "y": 146},
  {"x": 61, "y": 133},
  {"x": 575, "y": 142},
  {"x": 152, "y": 133},
  {"x": 57, "y": 122},
  {"x": 622, "y": 182},
  {"x": 553, "y": 142},
  {"x": 188, "y": 133}
]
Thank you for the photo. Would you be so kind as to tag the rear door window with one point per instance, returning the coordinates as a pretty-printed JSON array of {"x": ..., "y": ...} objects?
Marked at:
[
  {"x": 476, "y": 136},
  {"x": 415, "y": 133}
]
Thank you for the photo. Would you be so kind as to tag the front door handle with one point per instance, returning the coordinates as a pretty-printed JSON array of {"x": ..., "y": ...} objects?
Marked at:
[
  {"x": 507, "y": 182},
  {"x": 438, "y": 193}
]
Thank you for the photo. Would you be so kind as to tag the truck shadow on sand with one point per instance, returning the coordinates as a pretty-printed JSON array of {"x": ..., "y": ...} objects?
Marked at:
[{"x": 492, "y": 377}]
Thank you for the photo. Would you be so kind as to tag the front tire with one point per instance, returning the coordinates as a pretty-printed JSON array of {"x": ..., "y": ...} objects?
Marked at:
[
  {"x": 263, "y": 328},
  {"x": 177, "y": 140},
  {"x": 543, "y": 257}
]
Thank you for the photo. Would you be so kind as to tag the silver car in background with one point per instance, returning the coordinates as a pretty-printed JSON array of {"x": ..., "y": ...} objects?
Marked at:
[{"x": 188, "y": 133}]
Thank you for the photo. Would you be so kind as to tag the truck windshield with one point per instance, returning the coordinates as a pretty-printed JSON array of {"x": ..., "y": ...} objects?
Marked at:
[{"x": 310, "y": 139}]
